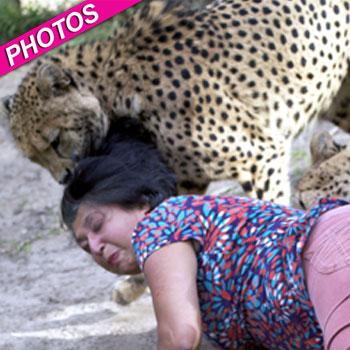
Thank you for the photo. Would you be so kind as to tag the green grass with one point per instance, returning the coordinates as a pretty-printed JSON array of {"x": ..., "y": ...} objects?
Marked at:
[
  {"x": 14, "y": 22},
  {"x": 103, "y": 30}
]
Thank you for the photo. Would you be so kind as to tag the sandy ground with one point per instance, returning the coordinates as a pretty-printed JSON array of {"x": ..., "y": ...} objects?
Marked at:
[{"x": 52, "y": 295}]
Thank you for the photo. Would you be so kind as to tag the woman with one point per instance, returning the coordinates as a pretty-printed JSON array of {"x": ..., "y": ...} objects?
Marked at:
[{"x": 243, "y": 271}]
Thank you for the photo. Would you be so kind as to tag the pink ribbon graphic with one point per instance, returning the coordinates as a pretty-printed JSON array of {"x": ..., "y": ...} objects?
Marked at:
[{"x": 59, "y": 30}]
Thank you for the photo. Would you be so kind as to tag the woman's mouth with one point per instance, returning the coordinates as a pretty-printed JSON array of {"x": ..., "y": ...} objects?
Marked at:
[{"x": 113, "y": 259}]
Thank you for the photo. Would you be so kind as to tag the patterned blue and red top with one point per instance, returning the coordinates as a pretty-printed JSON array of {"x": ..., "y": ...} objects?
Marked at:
[{"x": 250, "y": 279}]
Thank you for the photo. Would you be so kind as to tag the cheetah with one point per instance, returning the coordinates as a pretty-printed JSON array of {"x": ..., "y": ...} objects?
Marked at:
[
  {"x": 223, "y": 90},
  {"x": 329, "y": 175}
]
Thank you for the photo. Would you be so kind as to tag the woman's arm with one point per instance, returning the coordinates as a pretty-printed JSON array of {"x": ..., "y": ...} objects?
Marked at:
[{"x": 171, "y": 274}]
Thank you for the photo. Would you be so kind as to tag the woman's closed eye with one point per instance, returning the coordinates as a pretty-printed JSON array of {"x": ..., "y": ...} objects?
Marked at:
[
  {"x": 85, "y": 246},
  {"x": 95, "y": 222},
  {"x": 96, "y": 225}
]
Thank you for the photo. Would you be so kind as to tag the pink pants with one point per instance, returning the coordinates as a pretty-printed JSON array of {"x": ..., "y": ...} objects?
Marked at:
[{"x": 326, "y": 264}]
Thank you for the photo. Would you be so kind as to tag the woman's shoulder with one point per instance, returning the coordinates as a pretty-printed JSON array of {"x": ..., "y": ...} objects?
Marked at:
[
  {"x": 211, "y": 203},
  {"x": 195, "y": 200}
]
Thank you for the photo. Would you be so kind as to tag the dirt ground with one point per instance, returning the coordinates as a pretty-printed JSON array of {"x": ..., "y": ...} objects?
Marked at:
[{"x": 52, "y": 295}]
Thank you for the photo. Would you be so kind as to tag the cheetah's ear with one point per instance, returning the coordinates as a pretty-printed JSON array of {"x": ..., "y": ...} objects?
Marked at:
[
  {"x": 52, "y": 80},
  {"x": 6, "y": 107},
  {"x": 323, "y": 147}
]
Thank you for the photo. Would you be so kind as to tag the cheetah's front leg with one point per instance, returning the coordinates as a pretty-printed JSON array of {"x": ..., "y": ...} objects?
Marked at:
[{"x": 268, "y": 177}]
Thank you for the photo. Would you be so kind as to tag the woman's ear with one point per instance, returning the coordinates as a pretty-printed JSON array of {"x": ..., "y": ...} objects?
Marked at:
[{"x": 151, "y": 200}]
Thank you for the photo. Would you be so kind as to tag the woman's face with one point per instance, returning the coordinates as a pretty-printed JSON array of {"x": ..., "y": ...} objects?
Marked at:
[{"x": 105, "y": 231}]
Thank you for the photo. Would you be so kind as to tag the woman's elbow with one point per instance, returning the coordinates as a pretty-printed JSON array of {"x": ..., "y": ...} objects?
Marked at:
[{"x": 185, "y": 338}]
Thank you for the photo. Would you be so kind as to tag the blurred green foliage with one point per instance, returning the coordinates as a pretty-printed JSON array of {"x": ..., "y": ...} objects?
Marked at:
[
  {"x": 105, "y": 29},
  {"x": 14, "y": 22}
]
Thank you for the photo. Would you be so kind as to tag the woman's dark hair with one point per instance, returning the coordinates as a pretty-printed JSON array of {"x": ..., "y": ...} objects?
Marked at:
[{"x": 126, "y": 171}]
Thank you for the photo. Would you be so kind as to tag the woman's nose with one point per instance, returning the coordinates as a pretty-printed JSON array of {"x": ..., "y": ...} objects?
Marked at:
[{"x": 95, "y": 244}]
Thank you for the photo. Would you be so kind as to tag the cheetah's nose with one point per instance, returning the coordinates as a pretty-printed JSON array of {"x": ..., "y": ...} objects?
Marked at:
[
  {"x": 65, "y": 177},
  {"x": 76, "y": 157}
]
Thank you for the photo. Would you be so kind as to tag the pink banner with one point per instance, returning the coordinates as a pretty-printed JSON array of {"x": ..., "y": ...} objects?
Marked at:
[{"x": 58, "y": 30}]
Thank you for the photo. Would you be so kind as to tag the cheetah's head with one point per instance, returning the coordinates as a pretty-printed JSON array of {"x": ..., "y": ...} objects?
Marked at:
[
  {"x": 55, "y": 120},
  {"x": 329, "y": 175}
]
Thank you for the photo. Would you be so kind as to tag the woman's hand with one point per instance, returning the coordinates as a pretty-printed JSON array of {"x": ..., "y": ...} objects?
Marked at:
[{"x": 171, "y": 273}]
